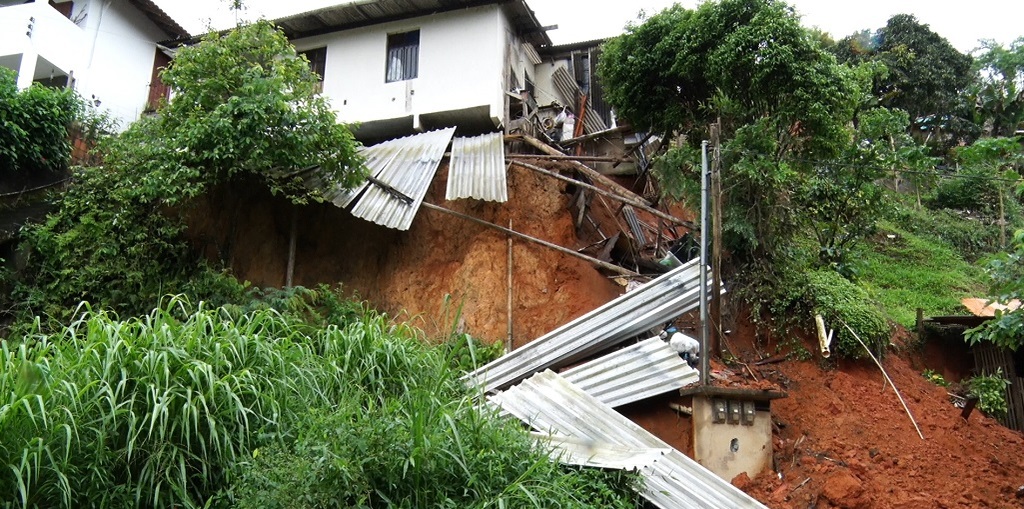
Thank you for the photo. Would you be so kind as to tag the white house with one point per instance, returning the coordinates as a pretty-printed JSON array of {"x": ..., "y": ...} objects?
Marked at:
[
  {"x": 106, "y": 49},
  {"x": 402, "y": 67}
]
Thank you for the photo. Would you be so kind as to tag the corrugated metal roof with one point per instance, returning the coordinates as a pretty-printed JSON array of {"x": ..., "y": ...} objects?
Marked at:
[
  {"x": 549, "y": 403},
  {"x": 376, "y": 158},
  {"x": 648, "y": 368},
  {"x": 477, "y": 169},
  {"x": 406, "y": 164},
  {"x": 633, "y": 313},
  {"x": 354, "y": 14},
  {"x": 587, "y": 453},
  {"x": 570, "y": 90}
]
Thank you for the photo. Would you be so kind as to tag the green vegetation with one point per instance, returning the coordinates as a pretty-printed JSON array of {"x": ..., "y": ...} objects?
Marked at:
[
  {"x": 904, "y": 271},
  {"x": 833, "y": 154},
  {"x": 34, "y": 127},
  {"x": 991, "y": 393},
  {"x": 935, "y": 378},
  {"x": 116, "y": 239},
  {"x": 195, "y": 406}
]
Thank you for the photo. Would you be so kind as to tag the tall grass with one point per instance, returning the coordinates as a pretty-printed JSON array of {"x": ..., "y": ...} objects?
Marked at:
[{"x": 192, "y": 407}]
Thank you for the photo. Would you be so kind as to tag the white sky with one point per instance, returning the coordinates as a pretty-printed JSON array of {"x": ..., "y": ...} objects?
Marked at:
[{"x": 962, "y": 22}]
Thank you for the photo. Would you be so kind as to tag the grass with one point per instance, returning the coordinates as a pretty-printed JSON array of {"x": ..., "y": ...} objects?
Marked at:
[
  {"x": 904, "y": 271},
  {"x": 192, "y": 407}
]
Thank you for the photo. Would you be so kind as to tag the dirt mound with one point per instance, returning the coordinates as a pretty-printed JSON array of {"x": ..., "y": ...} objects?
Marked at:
[{"x": 843, "y": 440}]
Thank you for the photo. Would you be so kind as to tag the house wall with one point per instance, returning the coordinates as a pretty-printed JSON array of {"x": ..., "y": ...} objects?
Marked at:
[
  {"x": 460, "y": 59},
  {"x": 110, "y": 52},
  {"x": 120, "y": 58},
  {"x": 54, "y": 38}
]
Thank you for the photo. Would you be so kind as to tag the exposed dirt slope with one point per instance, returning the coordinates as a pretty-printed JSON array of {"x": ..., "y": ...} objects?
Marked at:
[
  {"x": 408, "y": 274},
  {"x": 843, "y": 431}
]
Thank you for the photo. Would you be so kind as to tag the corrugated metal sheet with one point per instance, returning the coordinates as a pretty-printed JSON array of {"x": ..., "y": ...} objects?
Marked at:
[
  {"x": 377, "y": 157},
  {"x": 570, "y": 90},
  {"x": 477, "y": 169},
  {"x": 587, "y": 453},
  {"x": 354, "y": 14},
  {"x": 631, "y": 314},
  {"x": 648, "y": 368},
  {"x": 549, "y": 403},
  {"x": 409, "y": 170}
]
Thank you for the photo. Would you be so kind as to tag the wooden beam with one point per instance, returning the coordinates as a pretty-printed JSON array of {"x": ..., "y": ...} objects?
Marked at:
[
  {"x": 591, "y": 136},
  {"x": 638, "y": 204},
  {"x": 556, "y": 247},
  {"x": 590, "y": 172},
  {"x": 564, "y": 157}
]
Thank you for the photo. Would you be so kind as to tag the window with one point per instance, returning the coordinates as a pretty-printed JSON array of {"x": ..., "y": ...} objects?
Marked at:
[
  {"x": 159, "y": 92},
  {"x": 403, "y": 56},
  {"x": 317, "y": 63}
]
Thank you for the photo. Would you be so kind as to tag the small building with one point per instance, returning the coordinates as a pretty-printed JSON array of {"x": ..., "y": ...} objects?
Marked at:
[{"x": 107, "y": 50}]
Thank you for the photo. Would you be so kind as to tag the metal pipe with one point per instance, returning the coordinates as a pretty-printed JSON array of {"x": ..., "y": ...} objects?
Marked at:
[{"x": 705, "y": 353}]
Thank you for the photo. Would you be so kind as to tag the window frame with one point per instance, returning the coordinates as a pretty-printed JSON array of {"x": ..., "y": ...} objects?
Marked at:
[
  {"x": 402, "y": 56},
  {"x": 317, "y": 58}
]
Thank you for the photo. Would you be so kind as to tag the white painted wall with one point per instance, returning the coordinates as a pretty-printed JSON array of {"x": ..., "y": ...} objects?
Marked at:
[
  {"x": 110, "y": 54},
  {"x": 461, "y": 56},
  {"x": 119, "y": 62},
  {"x": 54, "y": 38}
]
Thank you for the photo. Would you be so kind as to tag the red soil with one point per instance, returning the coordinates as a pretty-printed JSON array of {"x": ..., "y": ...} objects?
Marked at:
[{"x": 842, "y": 440}]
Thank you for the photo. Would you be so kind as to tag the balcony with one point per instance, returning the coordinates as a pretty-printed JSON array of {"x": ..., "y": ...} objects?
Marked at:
[{"x": 40, "y": 42}]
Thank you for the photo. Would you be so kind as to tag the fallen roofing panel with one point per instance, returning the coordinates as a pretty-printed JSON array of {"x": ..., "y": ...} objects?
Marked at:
[
  {"x": 408, "y": 172},
  {"x": 477, "y": 169},
  {"x": 376, "y": 158},
  {"x": 586, "y": 453},
  {"x": 987, "y": 308},
  {"x": 631, "y": 314},
  {"x": 570, "y": 90},
  {"x": 549, "y": 403},
  {"x": 648, "y": 368}
]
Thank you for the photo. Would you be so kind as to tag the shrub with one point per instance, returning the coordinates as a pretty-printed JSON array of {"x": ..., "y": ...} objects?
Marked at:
[
  {"x": 991, "y": 393},
  {"x": 839, "y": 301}
]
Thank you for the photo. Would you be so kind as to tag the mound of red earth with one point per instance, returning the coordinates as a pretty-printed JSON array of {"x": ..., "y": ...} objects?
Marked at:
[{"x": 842, "y": 439}]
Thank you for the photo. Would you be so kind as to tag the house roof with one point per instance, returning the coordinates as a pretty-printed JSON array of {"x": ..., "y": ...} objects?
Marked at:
[
  {"x": 359, "y": 13},
  {"x": 160, "y": 18}
]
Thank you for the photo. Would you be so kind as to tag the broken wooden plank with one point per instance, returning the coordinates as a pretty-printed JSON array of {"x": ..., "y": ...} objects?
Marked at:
[
  {"x": 615, "y": 187},
  {"x": 556, "y": 247},
  {"x": 624, "y": 199}
]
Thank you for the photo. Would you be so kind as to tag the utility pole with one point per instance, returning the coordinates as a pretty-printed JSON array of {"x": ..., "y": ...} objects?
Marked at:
[
  {"x": 705, "y": 351},
  {"x": 715, "y": 341}
]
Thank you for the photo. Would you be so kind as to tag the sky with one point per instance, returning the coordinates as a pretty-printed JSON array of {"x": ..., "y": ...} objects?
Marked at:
[{"x": 963, "y": 23}]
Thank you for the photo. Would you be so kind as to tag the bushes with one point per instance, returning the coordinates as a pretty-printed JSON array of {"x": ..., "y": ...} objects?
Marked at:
[
  {"x": 792, "y": 296},
  {"x": 839, "y": 301},
  {"x": 194, "y": 407},
  {"x": 991, "y": 393}
]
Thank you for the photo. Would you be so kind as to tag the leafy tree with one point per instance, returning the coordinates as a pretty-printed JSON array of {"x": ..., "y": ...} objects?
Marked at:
[
  {"x": 244, "y": 108},
  {"x": 841, "y": 200},
  {"x": 927, "y": 75},
  {"x": 34, "y": 127},
  {"x": 1007, "y": 272},
  {"x": 999, "y": 90},
  {"x": 782, "y": 101},
  {"x": 244, "y": 104}
]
